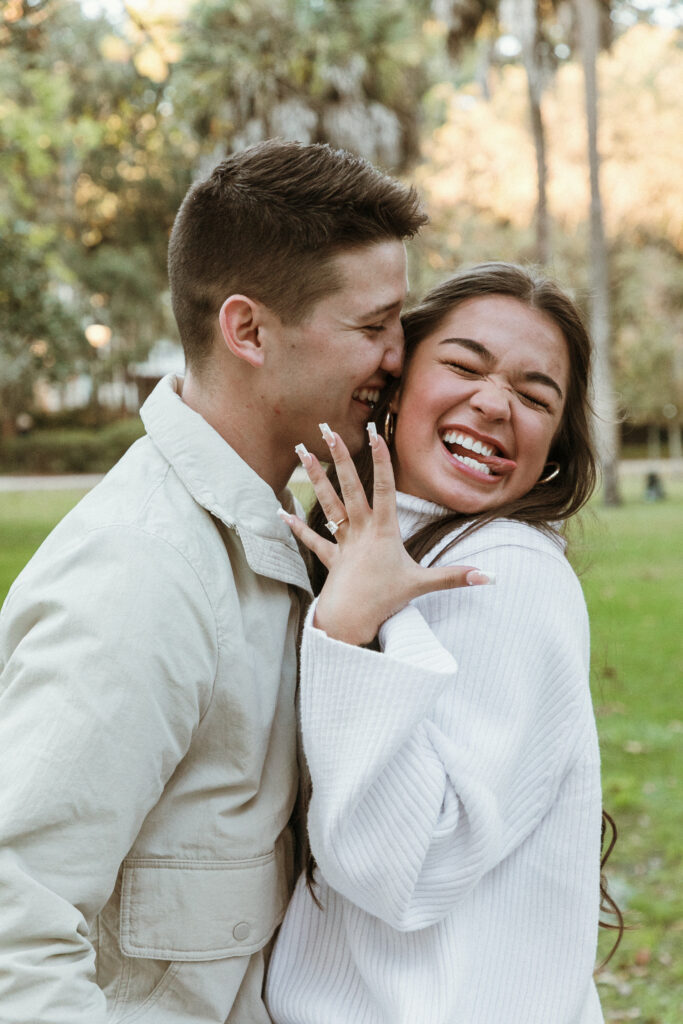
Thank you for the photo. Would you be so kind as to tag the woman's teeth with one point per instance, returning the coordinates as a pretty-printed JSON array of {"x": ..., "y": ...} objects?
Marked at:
[
  {"x": 367, "y": 395},
  {"x": 481, "y": 467},
  {"x": 465, "y": 441}
]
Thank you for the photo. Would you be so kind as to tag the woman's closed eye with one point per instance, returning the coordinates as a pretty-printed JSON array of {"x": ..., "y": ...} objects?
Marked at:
[
  {"x": 533, "y": 400},
  {"x": 472, "y": 372},
  {"x": 462, "y": 368}
]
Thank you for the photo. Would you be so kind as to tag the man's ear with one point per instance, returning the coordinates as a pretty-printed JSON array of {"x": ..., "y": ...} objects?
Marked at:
[{"x": 240, "y": 321}]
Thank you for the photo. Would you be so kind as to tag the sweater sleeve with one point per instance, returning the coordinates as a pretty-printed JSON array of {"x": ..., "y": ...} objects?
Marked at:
[
  {"x": 426, "y": 777},
  {"x": 107, "y": 659}
]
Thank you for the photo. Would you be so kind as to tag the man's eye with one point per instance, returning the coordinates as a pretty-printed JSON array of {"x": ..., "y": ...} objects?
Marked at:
[{"x": 374, "y": 328}]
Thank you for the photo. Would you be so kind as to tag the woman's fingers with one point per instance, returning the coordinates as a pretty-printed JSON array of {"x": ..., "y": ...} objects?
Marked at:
[
  {"x": 352, "y": 490},
  {"x": 329, "y": 500},
  {"x": 384, "y": 486},
  {"x": 450, "y": 577},
  {"x": 324, "y": 549}
]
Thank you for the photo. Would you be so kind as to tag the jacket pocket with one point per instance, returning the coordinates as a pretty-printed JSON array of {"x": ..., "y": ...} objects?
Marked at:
[{"x": 201, "y": 910}]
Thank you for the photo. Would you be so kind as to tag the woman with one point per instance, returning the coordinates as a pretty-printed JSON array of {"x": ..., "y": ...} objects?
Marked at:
[{"x": 455, "y": 816}]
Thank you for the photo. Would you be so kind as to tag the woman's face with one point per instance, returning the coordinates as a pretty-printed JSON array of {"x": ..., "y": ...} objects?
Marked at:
[{"x": 479, "y": 405}]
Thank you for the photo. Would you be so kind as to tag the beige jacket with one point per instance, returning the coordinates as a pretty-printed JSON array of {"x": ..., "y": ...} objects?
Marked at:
[{"x": 147, "y": 742}]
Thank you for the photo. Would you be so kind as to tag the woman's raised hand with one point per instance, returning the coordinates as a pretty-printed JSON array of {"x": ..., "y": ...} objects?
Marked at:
[{"x": 370, "y": 574}]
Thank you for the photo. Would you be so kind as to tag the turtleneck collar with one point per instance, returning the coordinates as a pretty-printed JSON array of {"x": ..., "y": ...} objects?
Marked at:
[{"x": 414, "y": 513}]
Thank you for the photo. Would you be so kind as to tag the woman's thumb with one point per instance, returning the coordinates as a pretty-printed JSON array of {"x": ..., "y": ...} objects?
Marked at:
[{"x": 452, "y": 576}]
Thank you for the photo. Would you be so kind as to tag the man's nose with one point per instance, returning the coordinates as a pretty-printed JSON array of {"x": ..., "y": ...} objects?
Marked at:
[{"x": 392, "y": 360}]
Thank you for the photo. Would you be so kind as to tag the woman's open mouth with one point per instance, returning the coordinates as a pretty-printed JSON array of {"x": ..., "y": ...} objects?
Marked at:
[{"x": 476, "y": 455}]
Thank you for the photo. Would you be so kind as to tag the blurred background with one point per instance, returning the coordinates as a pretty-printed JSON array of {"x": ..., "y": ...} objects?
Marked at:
[
  {"x": 536, "y": 130},
  {"x": 541, "y": 130}
]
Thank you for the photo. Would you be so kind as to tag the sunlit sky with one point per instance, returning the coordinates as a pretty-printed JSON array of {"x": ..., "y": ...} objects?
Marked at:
[
  {"x": 664, "y": 12},
  {"x": 114, "y": 9}
]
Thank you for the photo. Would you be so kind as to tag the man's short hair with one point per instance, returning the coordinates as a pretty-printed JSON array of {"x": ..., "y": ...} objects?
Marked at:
[{"x": 268, "y": 223}]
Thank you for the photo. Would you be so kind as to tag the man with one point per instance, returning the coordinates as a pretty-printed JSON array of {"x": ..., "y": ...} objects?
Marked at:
[{"x": 147, "y": 652}]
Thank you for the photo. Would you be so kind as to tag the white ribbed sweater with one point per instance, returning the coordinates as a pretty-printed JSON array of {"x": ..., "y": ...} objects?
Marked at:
[{"x": 455, "y": 816}]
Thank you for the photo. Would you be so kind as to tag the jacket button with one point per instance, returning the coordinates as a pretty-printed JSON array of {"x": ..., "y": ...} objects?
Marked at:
[{"x": 241, "y": 931}]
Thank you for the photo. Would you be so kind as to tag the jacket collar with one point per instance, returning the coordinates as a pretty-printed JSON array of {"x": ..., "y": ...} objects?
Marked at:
[{"x": 224, "y": 484}]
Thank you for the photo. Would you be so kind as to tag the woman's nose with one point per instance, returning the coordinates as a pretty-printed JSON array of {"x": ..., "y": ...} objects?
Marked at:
[{"x": 491, "y": 399}]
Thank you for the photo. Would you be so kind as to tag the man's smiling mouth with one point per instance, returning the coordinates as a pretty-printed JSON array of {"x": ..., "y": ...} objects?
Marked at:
[{"x": 369, "y": 396}]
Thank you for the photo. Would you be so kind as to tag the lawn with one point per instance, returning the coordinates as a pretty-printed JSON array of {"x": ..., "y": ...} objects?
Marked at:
[
  {"x": 630, "y": 560},
  {"x": 26, "y": 517},
  {"x": 631, "y": 566}
]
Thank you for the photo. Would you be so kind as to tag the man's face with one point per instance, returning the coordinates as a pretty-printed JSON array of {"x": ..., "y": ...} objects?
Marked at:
[{"x": 347, "y": 349}]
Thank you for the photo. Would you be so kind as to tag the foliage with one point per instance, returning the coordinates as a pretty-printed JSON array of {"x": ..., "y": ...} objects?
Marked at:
[
  {"x": 350, "y": 74},
  {"x": 36, "y": 326},
  {"x": 104, "y": 122},
  {"x": 75, "y": 450},
  {"x": 481, "y": 153},
  {"x": 648, "y": 284},
  {"x": 89, "y": 181},
  {"x": 477, "y": 177}
]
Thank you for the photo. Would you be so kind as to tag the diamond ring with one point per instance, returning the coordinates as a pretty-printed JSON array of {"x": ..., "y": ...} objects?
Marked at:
[{"x": 333, "y": 527}]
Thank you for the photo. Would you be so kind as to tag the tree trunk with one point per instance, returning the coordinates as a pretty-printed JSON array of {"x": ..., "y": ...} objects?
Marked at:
[
  {"x": 8, "y": 414},
  {"x": 606, "y": 427},
  {"x": 7, "y": 427},
  {"x": 483, "y": 71},
  {"x": 654, "y": 441},
  {"x": 529, "y": 35},
  {"x": 675, "y": 446}
]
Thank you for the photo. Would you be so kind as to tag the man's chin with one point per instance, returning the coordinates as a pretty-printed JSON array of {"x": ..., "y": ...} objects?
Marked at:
[{"x": 355, "y": 438}]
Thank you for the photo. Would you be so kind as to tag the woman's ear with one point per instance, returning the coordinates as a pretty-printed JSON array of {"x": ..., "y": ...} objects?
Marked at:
[{"x": 240, "y": 322}]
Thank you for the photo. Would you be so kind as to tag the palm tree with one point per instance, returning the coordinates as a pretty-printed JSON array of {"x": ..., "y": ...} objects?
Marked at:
[
  {"x": 606, "y": 428},
  {"x": 528, "y": 29},
  {"x": 463, "y": 19}
]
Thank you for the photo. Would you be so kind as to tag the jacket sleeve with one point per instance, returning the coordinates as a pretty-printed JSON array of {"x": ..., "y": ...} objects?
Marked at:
[
  {"x": 424, "y": 777},
  {"x": 107, "y": 659}
]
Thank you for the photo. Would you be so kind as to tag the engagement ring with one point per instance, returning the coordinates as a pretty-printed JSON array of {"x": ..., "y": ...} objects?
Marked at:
[{"x": 333, "y": 527}]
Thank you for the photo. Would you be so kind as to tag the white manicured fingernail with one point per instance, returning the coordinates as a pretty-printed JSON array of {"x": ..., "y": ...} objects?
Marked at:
[
  {"x": 284, "y": 515},
  {"x": 478, "y": 578},
  {"x": 327, "y": 434},
  {"x": 372, "y": 432},
  {"x": 304, "y": 454}
]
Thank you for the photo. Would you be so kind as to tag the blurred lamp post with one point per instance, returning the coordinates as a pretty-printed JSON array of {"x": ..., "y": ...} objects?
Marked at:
[{"x": 97, "y": 336}]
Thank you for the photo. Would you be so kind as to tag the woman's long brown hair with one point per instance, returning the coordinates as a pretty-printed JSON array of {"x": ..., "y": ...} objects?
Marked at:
[{"x": 547, "y": 507}]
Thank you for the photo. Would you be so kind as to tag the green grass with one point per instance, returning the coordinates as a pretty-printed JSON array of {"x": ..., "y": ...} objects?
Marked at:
[
  {"x": 26, "y": 518},
  {"x": 631, "y": 564}
]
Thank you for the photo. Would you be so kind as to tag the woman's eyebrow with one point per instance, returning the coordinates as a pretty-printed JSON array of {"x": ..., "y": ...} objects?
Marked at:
[
  {"x": 533, "y": 376},
  {"x": 473, "y": 346}
]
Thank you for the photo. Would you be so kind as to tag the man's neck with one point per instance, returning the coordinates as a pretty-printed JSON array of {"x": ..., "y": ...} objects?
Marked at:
[{"x": 239, "y": 418}]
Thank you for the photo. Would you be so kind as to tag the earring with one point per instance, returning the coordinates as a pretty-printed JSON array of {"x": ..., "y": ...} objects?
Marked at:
[
  {"x": 552, "y": 474},
  {"x": 389, "y": 427}
]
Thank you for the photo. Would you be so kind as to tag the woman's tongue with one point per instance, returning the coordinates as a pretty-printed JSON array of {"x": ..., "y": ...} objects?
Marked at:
[{"x": 496, "y": 463}]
